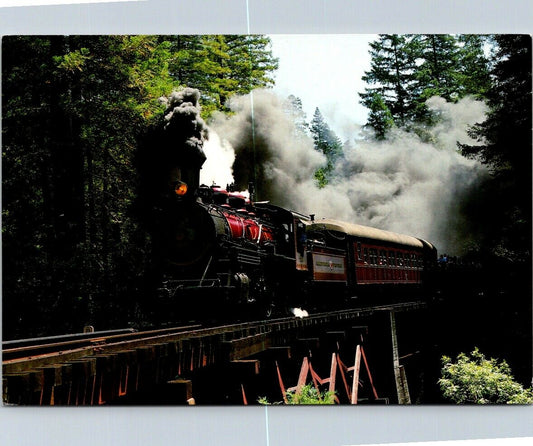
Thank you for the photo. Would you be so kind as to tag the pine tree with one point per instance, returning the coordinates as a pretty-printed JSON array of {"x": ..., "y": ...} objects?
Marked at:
[
  {"x": 406, "y": 70},
  {"x": 474, "y": 69},
  {"x": 380, "y": 117},
  {"x": 437, "y": 73},
  {"x": 184, "y": 64},
  {"x": 251, "y": 62},
  {"x": 391, "y": 71},
  {"x": 327, "y": 142},
  {"x": 293, "y": 107},
  {"x": 221, "y": 66},
  {"x": 505, "y": 146}
]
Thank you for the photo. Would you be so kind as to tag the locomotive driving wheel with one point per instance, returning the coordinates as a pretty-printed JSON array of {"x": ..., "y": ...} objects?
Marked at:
[{"x": 263, "y": 297}]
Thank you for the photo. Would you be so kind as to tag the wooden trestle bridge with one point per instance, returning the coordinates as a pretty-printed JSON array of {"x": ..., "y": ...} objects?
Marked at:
[{"x": 105, "y": 368}]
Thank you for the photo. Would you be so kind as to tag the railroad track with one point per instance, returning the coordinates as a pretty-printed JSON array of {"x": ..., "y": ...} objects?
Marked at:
[
  {"x": 26, "y": 353},
  {"x": 96, "y": 369},
  {"x": 34, "y": 347}
]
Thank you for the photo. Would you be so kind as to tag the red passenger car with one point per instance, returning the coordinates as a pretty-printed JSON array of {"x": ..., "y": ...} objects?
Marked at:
[{"x": 365, "y": 257}]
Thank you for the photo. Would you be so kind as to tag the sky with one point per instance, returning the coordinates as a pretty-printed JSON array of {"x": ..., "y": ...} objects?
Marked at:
[{"x": 324, "y": 71}]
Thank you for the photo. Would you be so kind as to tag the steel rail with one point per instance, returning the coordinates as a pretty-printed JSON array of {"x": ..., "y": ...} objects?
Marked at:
[{"x": 28, "y": 348}]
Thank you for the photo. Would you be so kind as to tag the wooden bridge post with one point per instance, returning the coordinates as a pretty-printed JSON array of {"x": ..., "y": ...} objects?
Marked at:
[
  {"x": 399, "y": 374},
  {"x": 355, "y": 382}
]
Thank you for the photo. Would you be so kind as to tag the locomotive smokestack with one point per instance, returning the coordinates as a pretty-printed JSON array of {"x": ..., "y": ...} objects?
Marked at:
[{"x": 184, "y": 133}]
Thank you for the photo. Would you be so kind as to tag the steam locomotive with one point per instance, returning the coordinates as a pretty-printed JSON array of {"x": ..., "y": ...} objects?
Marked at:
[{"x": 223, "y": 249}]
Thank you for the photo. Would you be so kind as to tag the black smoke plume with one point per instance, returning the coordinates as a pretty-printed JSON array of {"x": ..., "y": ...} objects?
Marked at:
[
  {"x": 184, "y": 129},
  {"x": 176, "y": 139}
]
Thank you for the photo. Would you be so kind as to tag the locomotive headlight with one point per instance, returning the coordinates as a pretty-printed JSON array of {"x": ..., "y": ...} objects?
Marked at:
[{"x": 180, "y": 188}]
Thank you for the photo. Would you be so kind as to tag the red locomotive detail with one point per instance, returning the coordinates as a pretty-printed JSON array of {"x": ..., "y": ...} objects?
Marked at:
[{"x": 244, "y": 226}]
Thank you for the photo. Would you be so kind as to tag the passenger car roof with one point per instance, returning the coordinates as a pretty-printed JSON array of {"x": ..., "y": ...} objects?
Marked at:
[{"x": 364, "y": 232}]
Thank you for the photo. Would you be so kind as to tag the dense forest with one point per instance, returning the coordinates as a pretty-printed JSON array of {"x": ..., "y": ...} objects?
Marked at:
[
  {"x": 74, "y": 108},
  {"x": 75, "y": 248}
]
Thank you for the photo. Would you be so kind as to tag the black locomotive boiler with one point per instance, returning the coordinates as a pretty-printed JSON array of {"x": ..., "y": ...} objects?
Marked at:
[{"x": 223, "y": 250}]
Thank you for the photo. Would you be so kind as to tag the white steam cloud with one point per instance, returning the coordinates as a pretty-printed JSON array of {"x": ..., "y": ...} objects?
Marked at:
[
  {"x": 268, "y": 149},
  {"x": 220, "y": 158},
  {"x": 402, "y": 184}
]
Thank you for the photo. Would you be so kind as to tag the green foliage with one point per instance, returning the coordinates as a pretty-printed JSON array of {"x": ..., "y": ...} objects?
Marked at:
[
  {"x": 321, "y": 177},
  {"x": 475, "y": 379},
  {"x": 327, "y": 142},
  {"x": 437, "y": 68},
  {"x": 75, "y": 245},
  {"x": 406, "y": 70},
  {"x": 309, "y": 395},
  {"x": 509, "y": 97},
  {"x": 474, "y": 66},
  {"x": 390, "y": 81},
  {"x": 73, "y": 108},
  {"x": 221, "y": 66},
  {"x": 73, "y": 61},
  {"x": 380, "y": 117}
]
